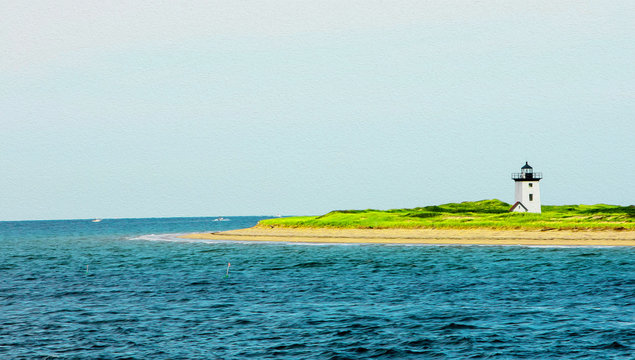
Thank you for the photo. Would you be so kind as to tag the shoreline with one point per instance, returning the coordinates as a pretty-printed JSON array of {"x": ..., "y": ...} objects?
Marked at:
[{"x": 425, "y": 236}]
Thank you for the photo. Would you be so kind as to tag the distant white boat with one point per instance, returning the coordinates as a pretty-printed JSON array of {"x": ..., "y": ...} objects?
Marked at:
[
  {"x": 96, "y": 220},
  {"x": 221, "y": 219}
]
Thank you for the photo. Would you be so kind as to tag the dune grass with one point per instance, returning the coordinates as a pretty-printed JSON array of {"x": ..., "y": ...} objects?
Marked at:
[{"x": 489, "y": 214}]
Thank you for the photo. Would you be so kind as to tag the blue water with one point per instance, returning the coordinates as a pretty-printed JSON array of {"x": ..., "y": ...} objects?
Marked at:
[{"x": 122, "y": 289}]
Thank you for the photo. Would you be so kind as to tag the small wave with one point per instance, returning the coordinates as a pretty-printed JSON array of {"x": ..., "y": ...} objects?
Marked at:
[
  {"x": 459, "y": 326},
  {"x": 175, "y": 238},
  {"x": 311, "y": 264},
  {"x": 159, "y": 237},
  {"x": 420, "y": 343},
  {"x": 198, "y": 283},
  {"x": 289, "y": 346},
  {"x": 613, "y": 345}
]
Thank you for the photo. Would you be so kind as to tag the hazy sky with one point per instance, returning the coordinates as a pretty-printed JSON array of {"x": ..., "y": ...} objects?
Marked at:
[{"x": 208, "y": 108}]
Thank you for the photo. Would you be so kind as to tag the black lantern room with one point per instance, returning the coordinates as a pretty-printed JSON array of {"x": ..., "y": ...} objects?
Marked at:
[{"x": 527, "y": 174}]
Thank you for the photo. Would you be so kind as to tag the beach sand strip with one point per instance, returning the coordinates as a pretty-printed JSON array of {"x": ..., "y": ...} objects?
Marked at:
[{"x": 426, "y": 236}]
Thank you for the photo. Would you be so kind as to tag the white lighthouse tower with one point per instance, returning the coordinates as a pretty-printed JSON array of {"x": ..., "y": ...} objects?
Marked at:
[{"x": 527, "y": 195}]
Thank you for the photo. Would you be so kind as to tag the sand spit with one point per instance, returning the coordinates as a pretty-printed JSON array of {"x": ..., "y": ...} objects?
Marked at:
[{"x": 427, "y": 236}]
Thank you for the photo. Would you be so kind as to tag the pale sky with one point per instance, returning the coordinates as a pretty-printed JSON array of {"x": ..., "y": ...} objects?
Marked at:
[{"x": 220, "y": 108}]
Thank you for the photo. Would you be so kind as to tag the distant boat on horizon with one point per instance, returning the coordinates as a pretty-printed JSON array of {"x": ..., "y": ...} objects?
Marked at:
[
  {"x": 96, "y": 220},
  {"x": 221, "y": 219}
]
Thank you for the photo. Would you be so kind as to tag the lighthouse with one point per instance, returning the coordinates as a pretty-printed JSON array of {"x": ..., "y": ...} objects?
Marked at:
[{"x": 527, "y": 195}]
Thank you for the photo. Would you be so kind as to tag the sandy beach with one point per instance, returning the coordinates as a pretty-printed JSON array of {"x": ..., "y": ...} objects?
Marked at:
[{"x": 427, "y": 236}]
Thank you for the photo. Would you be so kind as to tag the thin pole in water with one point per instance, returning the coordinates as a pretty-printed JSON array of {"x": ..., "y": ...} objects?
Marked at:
[
  {"x": 86, "y": 269},
  {"x": 228, "y": 265}
]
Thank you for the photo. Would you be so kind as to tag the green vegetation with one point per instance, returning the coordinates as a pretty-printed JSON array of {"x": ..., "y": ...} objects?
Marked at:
[{"x": 490, "y": 214}]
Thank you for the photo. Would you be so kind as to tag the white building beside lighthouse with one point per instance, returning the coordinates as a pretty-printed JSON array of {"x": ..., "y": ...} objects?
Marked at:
[{"x": 527, "y": 195}]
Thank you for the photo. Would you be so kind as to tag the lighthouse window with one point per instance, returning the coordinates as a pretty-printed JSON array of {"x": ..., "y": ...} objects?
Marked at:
[
  {"x": 531, "y": 185},
  {"x": 531, "y": 197}
]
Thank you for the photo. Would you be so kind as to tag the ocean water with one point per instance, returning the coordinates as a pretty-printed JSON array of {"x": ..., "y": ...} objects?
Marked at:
[{"x": 129, "y": 289}]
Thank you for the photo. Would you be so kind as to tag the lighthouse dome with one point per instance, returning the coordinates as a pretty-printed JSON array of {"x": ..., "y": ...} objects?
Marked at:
[{"x": 526, "y": 166}]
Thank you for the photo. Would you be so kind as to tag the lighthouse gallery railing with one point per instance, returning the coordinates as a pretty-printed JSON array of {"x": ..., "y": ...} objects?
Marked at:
[{"x": 527, "y": 176}]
